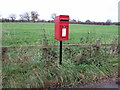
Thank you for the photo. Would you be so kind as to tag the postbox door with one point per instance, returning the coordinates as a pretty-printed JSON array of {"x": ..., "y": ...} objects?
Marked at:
[{"x": 64, "y": 31}]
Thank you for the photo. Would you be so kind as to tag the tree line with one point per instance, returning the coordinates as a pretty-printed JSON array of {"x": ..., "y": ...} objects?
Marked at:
[
  {"x": 33, "y": 16},
  {"x": 25, "y": 17}
]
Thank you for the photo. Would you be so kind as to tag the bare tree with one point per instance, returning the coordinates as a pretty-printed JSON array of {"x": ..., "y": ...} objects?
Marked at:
[
  {"x": 21, "y": 17},
  {"x": 108, "y": 21},
  {"x": 34, "y": 15},
  {"x": 53, "y": 15},
  {"x": 25, "y": 16},
  {"x": 88, "y": 21},
  {"x": 73, "y": 21},
  {"x": 12, "y": 17}
]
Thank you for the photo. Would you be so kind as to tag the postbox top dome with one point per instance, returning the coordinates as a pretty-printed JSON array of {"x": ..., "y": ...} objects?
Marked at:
[{"x": 64, "y": 17}]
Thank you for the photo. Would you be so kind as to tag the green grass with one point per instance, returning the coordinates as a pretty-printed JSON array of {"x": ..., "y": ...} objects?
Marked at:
[
  {"x": 37, "y": 73},
  {"x": 28, "y": 68},
  {"x": 16, "y": 34}
]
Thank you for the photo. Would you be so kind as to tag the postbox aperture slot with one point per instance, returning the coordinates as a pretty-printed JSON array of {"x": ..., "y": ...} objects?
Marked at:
[{"x": 64, "y": 20}]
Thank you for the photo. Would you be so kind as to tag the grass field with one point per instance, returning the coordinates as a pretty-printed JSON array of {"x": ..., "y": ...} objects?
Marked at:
[
  {"x": 17, "y": 34},
  {"x": 34, "y": 68}
]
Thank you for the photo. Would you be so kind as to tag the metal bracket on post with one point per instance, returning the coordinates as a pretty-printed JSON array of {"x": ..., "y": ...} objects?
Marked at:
[{"x": 60, "y": 53}]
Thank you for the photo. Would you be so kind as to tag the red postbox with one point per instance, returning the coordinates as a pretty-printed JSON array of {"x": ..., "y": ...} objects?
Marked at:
[{"x": 61, "y": 27}]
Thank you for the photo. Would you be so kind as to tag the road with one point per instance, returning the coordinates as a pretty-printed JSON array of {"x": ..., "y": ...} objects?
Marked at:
[{"x": 106, "y": 83}]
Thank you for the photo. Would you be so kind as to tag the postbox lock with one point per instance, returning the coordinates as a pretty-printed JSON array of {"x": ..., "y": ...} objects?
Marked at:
[{"x": 63, "y": 25}]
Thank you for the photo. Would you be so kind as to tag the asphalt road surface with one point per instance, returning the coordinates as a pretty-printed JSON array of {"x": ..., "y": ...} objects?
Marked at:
[{"x": 106, "y": 83}]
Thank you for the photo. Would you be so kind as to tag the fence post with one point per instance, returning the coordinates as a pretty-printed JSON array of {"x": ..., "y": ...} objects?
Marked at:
[
  {"x": 4, "y": 50},
  {"x": 113, "y": 48},
  {"x": 97, "y": 46},
  {"x": 45, "y": 50}
]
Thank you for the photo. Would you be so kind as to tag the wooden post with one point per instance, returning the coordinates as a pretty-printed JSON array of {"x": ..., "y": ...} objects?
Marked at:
[
  {"x": 45, "y": 50},
  {"x": 4, "y": 50}
]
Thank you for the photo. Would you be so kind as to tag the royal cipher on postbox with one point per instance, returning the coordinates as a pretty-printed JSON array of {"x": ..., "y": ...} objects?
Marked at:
[{"x": 61, "y": 27}]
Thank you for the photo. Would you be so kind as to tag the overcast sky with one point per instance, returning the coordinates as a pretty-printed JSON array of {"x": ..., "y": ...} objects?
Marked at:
[{"x": 94, "y": 10}]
